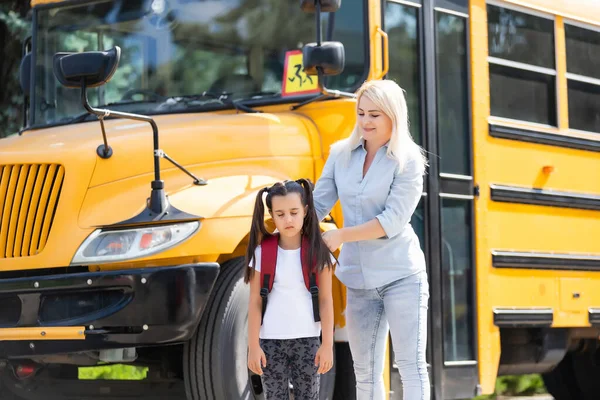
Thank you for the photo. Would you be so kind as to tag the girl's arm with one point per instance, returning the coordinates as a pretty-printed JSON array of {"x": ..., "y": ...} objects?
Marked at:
[
  {"x": 400, "y": 205},
  {"x": 256, "y": 357},
  {"x": 326, "y": 305},
  {"x": 324, "y": 358}
]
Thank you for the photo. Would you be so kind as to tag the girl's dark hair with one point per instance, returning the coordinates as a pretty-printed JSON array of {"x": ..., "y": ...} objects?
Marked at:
[{"x": 317, "y": 249}]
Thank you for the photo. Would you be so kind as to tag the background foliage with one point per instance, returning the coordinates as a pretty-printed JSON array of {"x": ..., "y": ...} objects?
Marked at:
[
  {"x": 15, "y": 23},
  {"x": 113, "y": 372},
  {"x": 512, "y": 385},
  {"x": 517, "y": 385}
]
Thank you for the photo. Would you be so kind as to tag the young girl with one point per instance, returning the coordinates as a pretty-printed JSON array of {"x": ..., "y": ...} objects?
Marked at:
[{"x": 285, "y": 313}]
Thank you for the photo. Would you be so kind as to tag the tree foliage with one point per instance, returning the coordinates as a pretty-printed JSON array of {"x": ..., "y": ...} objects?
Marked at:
[
  {"x": 15, "y": 23},
  {"x": 117, "y": 372}
]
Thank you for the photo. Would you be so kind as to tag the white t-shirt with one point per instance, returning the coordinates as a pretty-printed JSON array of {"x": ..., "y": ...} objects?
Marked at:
[{"x": 289, "y": 313}]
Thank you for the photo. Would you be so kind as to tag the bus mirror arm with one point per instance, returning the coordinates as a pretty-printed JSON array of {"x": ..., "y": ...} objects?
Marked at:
[
  {"x": 95, "y": 68},
  {"x": 322, "y": 58},
  {"x": 325, "y": 93},
  {"x": 158, "y": 207}
]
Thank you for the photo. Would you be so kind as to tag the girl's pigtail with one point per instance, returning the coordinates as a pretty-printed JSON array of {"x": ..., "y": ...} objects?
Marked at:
[
  {"x": 257, "y": 233},
  {"x": 317, "y": 250}
]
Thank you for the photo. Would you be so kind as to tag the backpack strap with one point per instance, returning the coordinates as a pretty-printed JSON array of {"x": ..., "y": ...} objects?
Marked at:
[
  {"x": 311, "y": 278},
  {"x": 268, "y": 265}
]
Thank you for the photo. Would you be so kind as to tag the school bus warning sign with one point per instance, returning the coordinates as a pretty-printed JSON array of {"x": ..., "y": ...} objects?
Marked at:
[{"x": 295, "y": 81}]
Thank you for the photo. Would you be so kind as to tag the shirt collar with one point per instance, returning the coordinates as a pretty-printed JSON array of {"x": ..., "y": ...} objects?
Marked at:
[{"x": 361, "y": 142}]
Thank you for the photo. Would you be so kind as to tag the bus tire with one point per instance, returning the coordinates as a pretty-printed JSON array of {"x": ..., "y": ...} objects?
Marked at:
[
  {"x": 586, "y": 370},
  {"x": 215, "y": 359},
  {"x": 345, "y": 380},
  {"x": 561, "y": 381}
]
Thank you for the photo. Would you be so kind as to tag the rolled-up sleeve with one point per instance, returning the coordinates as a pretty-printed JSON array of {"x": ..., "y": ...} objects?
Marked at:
[
  {"x": 403, "y": 198},
  {"x": 325, "y": 193}
]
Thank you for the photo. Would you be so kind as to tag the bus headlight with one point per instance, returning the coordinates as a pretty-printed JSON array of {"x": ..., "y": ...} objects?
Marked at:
[{"x": 127, "y": 244}]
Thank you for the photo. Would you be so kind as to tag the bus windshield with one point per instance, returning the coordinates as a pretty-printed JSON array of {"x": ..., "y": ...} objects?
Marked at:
[{"x": 180, "y": 55}]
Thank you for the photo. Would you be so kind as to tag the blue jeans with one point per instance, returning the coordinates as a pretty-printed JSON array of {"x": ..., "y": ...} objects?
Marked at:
[{"x": 399, "y": 307}]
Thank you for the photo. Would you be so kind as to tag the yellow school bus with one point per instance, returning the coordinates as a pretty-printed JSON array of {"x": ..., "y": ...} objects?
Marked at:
[
  {"x": 126, "y": 199},
  {"x": 535, "y": 80},
  {"x": 121, "y": 238}
]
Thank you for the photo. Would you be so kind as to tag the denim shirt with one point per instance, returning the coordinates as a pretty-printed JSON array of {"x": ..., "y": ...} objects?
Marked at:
[{"x": 385, "y": 193}]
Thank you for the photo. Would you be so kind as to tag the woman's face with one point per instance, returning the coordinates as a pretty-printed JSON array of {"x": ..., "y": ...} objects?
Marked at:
[{"x": 374, "y": 124}]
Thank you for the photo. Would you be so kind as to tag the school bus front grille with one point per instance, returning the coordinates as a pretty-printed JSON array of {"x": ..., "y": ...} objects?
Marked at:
[{"x": 28, "y": 197}]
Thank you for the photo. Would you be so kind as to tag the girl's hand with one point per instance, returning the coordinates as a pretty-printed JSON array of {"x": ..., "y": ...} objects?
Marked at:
[
  {"x": 324, "y": 359},
  {"x": 333, "y": 239},
  {"x": 256, "y": 360}
]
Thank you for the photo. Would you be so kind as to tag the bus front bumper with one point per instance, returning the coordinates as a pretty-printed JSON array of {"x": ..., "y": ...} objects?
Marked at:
[{"x": 102, "y": 310}]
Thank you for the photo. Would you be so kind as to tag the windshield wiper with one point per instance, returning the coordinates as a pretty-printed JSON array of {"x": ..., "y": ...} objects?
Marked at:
[
  {"x": 84, "y": 116},
  {"x": 222, "y": 98},
  {"x": 78, "y": 118}
]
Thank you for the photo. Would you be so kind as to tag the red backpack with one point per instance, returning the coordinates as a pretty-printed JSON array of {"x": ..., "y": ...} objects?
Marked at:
[{"x": 268, "y": 265}]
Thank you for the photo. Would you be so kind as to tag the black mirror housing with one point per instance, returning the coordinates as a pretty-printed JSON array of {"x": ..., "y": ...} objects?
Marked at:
[
  {"x": 323, "y": 58},
  {"x": 309, "y": 6},
  {"x": 329, "y": 57},
  {"x": 92, "y": 68}
]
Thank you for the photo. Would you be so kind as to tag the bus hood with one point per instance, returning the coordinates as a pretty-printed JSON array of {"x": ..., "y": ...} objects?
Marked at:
[
  {"x": 236, "y": 153},
  {"x": 190, "y": 139}
]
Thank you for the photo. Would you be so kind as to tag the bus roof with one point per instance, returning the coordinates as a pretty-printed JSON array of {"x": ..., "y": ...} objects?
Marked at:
[
  {"x": 579, "y": 10},
  {"x": 582, "y": 10}
]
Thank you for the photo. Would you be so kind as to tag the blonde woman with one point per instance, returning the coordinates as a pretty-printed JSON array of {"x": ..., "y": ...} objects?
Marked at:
[{"x": 377, "y": 174}]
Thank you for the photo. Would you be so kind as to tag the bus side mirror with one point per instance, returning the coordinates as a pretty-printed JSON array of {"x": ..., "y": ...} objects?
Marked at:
[
  {"x": 326, "y": 5},
  {"x": 329, "y": 58},
  {"x": 322, "y": 58},
  {"x": 88, "y": 69}
]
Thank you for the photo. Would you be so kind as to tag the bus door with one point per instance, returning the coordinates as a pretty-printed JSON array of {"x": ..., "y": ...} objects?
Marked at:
[{"x": 429, "y": 58}]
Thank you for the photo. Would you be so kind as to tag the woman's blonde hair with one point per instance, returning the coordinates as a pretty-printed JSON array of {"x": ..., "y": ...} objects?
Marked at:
[{"x": 389, "y": 98}]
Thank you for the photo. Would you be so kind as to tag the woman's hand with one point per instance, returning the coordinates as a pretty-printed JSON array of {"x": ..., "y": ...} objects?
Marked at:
[
  {"x": 333, "y": 239},
  {"x": 256, "y": 360},
  {"x": 324, "y": 359}
]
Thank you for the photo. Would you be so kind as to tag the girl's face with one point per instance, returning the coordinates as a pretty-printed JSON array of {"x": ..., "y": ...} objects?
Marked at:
[
  {"x": 288, "y": 214},
  {"x": 374, "y": 124}
]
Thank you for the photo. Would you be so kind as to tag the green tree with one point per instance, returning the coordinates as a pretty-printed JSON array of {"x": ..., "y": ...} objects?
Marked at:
[{"x": 14, "y": 29}]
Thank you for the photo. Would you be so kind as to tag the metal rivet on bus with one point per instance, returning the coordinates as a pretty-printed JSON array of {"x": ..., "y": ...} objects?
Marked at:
[
  {"x": 145, "y": 327},
  {"x": 80, "y": 333},
  {"x": 43, "y": 333},
  {"x": 31, "y": 346},
  {"x": 89, "y": 281},
  {"x": 144, "y": 281},
  {"x": 36, "y": 285}
]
